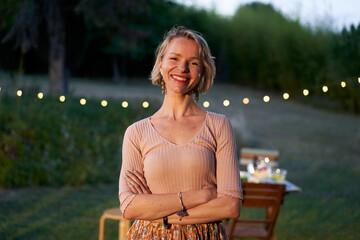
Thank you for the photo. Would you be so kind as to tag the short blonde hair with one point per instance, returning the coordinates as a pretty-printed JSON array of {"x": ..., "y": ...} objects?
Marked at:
[{"x": 207, "y": 63}]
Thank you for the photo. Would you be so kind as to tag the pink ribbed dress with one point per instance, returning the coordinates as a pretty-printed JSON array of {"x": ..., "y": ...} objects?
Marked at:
[{"x": 208, "y": 160}]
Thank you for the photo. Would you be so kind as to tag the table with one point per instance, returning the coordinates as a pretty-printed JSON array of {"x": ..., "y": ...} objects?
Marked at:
[{"x": 290, "y": 187}]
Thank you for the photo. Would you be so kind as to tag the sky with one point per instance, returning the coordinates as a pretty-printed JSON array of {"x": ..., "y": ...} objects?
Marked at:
[{"x": 331, "y": 13}]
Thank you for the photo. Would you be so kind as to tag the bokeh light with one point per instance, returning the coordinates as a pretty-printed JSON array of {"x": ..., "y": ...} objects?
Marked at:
[
  {"x": 306, "y": 92},
  {"x": 104, "y": 103},
  {"x": 145, "y": 104},
  {"x": 266, "y": 98},
  {"x": 0, "y": 88},
  {"x": 83, "y": 101},
  {"x": 343, "y": 84},
  {"x": 62, "y": 98},
  {"x": 359, "y": 80},
  {"x": 124, "y": 104},
  {"x": 246, "y": 100},
  {"x": 325, "y": 89},
  {"x": 206, "y": 104},
  {"x": 40, "y": 95},
  {"x": 19, "y": 93},
  {"x": 226, "y": 103},
  {"x": 286, "y": 96}
]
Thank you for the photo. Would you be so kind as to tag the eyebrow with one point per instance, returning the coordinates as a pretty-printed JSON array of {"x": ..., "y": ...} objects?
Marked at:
[{"x": 177, "y": 54}]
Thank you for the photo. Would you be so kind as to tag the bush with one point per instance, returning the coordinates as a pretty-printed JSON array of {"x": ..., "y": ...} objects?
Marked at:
[{"x": 46, "y": 142}]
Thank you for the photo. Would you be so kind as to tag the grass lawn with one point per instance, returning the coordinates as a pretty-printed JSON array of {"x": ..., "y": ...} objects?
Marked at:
[{"x": 320, "y": 150}]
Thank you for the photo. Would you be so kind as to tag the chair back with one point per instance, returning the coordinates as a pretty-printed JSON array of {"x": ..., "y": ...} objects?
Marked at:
[
  {"x": 258, "y": 195},
  {"x": 248, "y": 155}
]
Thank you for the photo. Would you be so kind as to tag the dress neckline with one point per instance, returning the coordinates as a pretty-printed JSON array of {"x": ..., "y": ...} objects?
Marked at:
[{"x": 174, "y": 144}]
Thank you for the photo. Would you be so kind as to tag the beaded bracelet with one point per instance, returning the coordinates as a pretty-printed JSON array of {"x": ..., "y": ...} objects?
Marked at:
[
  {"x": 166, "y": 224},
  {"x": 182, "y": 212}
]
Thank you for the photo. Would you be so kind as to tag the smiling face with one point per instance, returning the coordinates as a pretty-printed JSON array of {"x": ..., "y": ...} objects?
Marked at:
[{"x": 180, "y": 66}]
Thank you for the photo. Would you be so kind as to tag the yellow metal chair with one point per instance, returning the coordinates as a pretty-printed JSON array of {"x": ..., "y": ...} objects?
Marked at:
[{"x": 114, "y": 214}]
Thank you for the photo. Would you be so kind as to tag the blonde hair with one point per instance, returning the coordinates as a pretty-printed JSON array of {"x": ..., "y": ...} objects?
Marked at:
[{"x": 207, "y": 63}]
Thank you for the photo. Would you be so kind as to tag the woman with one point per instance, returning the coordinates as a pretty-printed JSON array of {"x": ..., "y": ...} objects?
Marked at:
[{"x": 180, "y": 175}]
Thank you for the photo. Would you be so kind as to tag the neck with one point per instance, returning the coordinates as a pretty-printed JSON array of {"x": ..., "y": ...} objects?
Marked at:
[{"x": 178, "y": 106}]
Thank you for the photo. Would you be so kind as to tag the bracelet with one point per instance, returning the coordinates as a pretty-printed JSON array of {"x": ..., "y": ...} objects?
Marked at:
[
  {"x": 182, "y": 212},
  {"x": 166, "y": 224}
]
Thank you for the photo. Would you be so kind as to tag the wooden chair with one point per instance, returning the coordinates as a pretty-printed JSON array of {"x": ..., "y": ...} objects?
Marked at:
[
  {"x": 258, "y": 195},
  {"x": 248, "y": 155},
  {"x": 115, "y": 214}
]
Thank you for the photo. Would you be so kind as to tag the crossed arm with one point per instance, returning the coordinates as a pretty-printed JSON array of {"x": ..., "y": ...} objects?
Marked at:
[{"x": 203, "y": 205}]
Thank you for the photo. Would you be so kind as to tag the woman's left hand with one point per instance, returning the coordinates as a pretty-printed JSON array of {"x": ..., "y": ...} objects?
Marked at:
[{"x": 137, "y": 182}]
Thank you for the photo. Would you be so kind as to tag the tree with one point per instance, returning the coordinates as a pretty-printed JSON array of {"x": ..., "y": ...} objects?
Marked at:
[
  {"x": 116, "y": 21},
  {"x": 26, "y": 31}
]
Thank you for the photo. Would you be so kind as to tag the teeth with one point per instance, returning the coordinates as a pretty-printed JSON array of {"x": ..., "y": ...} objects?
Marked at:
[{"x": 179, "y": 78}]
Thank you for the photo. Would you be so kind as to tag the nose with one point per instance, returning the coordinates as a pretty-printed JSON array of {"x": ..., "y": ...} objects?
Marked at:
[{"x": 184, "y": 66}]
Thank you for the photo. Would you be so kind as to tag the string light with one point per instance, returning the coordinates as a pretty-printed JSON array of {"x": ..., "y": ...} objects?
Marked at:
[
  {"x": 206, "y": 104},
  {"x": 343, "y": 84},
  {"x": 62, "y": 98},
  {"x": 325, "y": 89},
  {"x": 306, "y": 92},
  {"x": 124, "y": 104},
  {"x": 19, "y": 93},
  {"x": 83, "y": 101},
  {"x": 246, "y": 101},
  {"x": 286, "y": 96},
  {"x": 226, "y": 103},
  {"x": 145, "y": 104},
  {"x": 266, "y": 98},
  {"x": 104, "y": 103},
  {"x": 40, "y": 95}
]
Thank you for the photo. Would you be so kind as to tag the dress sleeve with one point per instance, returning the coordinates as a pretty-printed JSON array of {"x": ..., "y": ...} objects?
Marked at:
[
  {"x": 227, "y": 165},
  {"x": 131, "y": 160}
]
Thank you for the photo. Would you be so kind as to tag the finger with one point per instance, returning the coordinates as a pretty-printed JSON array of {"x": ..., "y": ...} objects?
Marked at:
[
  {"x": 136, "y": 181},
  {"x": 132, "y": 188},
  {"x": 141, "y": 178},
  {"x": 134, "y": 184},
  {"x": 143, "y": 185}
]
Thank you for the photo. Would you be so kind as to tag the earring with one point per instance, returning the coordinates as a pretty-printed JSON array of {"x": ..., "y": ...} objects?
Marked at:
[
  {"x": 196, "y": 96},
  {"x": 163, "y": 89}
]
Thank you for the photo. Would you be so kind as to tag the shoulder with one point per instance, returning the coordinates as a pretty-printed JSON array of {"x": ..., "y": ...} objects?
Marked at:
[
  {"x": 217, "y": 119},
  {"x": 137, "y": 128}
]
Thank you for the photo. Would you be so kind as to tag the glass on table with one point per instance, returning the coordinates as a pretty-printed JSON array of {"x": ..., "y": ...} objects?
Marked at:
[{"x": 278, "y": 174}]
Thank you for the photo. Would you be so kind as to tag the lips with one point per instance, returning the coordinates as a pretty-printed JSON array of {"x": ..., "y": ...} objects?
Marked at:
[{"x": 179, "y": 78}]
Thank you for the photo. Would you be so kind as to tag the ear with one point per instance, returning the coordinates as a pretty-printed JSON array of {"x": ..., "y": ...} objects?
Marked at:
[{"x": 160, "y": 65}]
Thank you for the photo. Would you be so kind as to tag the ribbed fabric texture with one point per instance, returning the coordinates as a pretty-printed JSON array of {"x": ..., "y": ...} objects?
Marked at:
[{"x": 208, "y": 160}]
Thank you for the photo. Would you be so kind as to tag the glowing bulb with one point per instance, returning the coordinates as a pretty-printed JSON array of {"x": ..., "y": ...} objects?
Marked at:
[
  {"x": 343, "y": 84},
  {"x": 359, "y": 79},
  {"x": 266, "y": 98},
  {"x": 206, "y": 104},
  {"x": 62, "y": 98},
  {"x": 246, "y": 100},
  {"x": 325, "y": 88},
  {"x": 286, "y": 96},
  {"x": 306, "y": 92},
  {"x": 145, "y": 104},
  {"x": 19, "y": 93},
  {"x": 40, "y": 95},
  {"x": 226, "y": 103},
  {"x": 104, "y": 103},
  {"x": 124, "y": 104},
  {"x": 83, "y": 101}
]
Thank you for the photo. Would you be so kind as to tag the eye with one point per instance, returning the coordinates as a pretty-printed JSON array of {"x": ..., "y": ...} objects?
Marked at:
[
  {"x": 195, "y": 63},
  {"x": 173, "y": 58}
]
